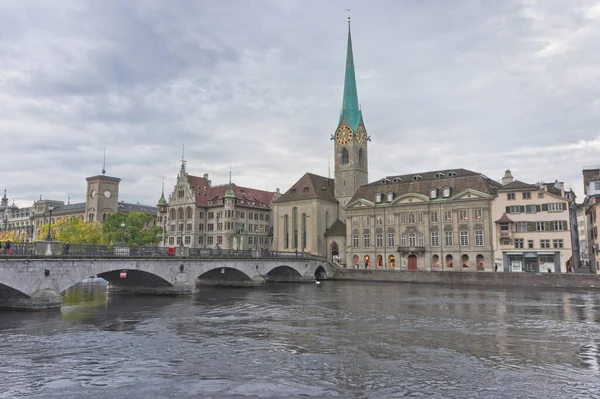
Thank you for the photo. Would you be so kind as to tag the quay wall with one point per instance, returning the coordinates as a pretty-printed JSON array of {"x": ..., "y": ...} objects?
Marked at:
[{"x": 472, "y": 278}]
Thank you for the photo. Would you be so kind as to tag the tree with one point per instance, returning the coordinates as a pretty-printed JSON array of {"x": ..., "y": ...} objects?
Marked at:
[
  {"x": 74, "y": 231},
  {"x": 137, "y": 229},
  {"x": 9, "y": 235}
]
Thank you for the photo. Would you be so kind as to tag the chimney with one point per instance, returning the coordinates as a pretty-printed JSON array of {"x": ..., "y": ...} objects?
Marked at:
[
  {"x": 206, "y": 176},
  {"x": 508, "y": 177}
]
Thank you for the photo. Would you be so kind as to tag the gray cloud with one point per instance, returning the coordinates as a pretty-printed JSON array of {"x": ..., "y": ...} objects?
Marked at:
[{"x": 257, "y": 85}]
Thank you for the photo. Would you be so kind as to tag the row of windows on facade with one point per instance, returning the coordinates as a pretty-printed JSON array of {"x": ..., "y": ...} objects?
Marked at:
[
  {"x": 18, "y": 224},
  {"x": 527, "y": 227},
  {"x": 553, "y": 207},
  {"x": 229, "y": 213},
  {"x": 418, "y": 239},
  {"x": 435, "y": 261},
  {"x": 544, "y": 244},
  {"x": 227, "y": 226},
  {"x": 433, "y": 194},
  {"x": 210, "y": 240},
  {"x": 417, "y": 217},
  {"x": 525, "y": 195},
  {"x": 180, "y": 194}
]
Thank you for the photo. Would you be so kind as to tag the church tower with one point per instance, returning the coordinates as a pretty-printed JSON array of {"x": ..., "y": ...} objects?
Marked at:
[{"x": 350, "y": 140}]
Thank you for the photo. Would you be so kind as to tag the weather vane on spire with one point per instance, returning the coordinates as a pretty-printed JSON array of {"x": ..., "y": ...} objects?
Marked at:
[
  {"x": 347, "y": 9},
  {"x": 104, "y": 163}
]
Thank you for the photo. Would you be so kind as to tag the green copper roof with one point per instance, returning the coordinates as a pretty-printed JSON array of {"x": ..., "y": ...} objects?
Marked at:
[
  {"x": 162, "y": 200},
  {"x": 350, "y": 109},
  {"x": 229, "y": 193}
]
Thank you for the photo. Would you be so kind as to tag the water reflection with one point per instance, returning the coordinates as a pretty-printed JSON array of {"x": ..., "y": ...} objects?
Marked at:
[{"x": 342, "y": 339}]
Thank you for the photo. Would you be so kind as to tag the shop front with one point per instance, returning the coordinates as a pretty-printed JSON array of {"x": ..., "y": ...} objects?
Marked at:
[{"x": 530, "y": 262}]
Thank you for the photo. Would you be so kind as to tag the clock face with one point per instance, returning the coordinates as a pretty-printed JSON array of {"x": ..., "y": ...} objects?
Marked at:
[
  {"x": 107, "y": 194},
  {"x": 361, "y": 135},
  {"x": 343, "y": 135},
  {"x": 93, "y": 193}
]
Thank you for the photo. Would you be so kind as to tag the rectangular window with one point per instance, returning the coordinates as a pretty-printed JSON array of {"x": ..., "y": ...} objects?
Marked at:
[
  {"x": 518, "y": 243},
  {"x": 433, "y": 217},
  {"x": 354, "y": 221},
  {"x": 435, "y": 239},
  {"x": 521, "y": 227},
  {"x": 188, "y": 227},
  {"x": 210, "y": 240},
  {"x": 211, "y": 215},
  {"x": 367, "y": 238},
  {"x": 411, "y": 218},
  {"x": 531, "y": 208},
  {"x": 366, "y": 221},
  {"x": 545, "y": 244},
  {"x": 403, "y": 218},
  {"x": 379, "y": 220},
  {"x": 390, "y": 219},
  {"x": 171, "y": 240},
  {"x": 448, "y": 238},
  {"x": 211, "y": 227},
  {"x": 447, "y": 216},
  {"x": 188, "y": 240},
  {"x": 220, "y": 240},
  {"x": 477, "y": 214},
  {"x": 558, "y": 225},
  {"x": 530, "y": 244},
  {"x": 464, "y": 238},
  {"x": 540, "y": 195},
  {"x": 510, "y": 196},
  {"x": 379, "y": 240},
  {"x": 540, "y": 226},
  {"x": 514, "y": 209},
  {"x": 527, "y": 195},
  {"x": 479, "y": 238},
  {"x": 419, "y": 217},
  {"x": 403, "y": 240},
  {"x": 557, "y": 243},
  {"x": 391, "y": 240},
  {"x": 555, "y": 207},
  {"x": 201, "y": 227},
  {"x": 462, "y": 215},
  {"x": 354, "y": 240},
  {"x": 201, "y": 240},
  {"x": 412, "y": 240},
  {"x": 597, "y": 186},
  {"x": 421, "y": 239},
  {"x": 179, "y": 241}
]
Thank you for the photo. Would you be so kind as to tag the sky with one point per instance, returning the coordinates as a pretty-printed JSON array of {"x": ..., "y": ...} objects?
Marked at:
[{"x": 257, "y": 87}]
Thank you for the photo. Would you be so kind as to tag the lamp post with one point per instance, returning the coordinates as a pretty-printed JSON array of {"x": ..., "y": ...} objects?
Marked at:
[
  {"x": 217, "y": 230},
  {"x": 163, "y": 232},
  {"x": 122, "y": 233},
  {"x": 49, "y": 236}
]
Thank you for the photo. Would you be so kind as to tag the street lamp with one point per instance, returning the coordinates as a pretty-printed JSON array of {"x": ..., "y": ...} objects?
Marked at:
[
  {"x": 217, "y": 229},
  {"x": 122, "y": 233},
  {"x": 49, "y": 236}
]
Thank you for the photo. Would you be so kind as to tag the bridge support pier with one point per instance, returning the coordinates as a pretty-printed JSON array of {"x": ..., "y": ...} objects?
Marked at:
[
  {"x": 41, "y": 300},
  {"x": 257, "y": 281}
]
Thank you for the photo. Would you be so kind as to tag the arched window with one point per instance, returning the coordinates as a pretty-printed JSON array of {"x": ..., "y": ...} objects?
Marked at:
[
  {"x": 435, "y": 261},
  {"x": 379, "y": 261},
  {"x": 180, "y": 213},
  {"x": 391, "y": 261},
  {"x": 361, "y": 159},
  {"x": 172, "y": 214},
  {"x": 286, "y": 231},
  {"x": 412, "y": 240},
  {"x": 367, "y": 261},
  {"x": 356, "y": 261},
  {"x": 480, "y": 262},
  {"x": 411, "y": 218},
  {"x": 465, "y": 260},
  {"x": 449, "y": 260},
  {"x": 188, "y": 212},
  {"x": 103, "y": 217},
  {"x": 295, "y": 226},
  {"x": 344, "y": 156},
  {"x": 303, "y": 222}
]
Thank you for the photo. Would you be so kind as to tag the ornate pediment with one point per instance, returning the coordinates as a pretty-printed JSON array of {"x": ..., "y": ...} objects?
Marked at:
[{"x": 470, "y": 194}]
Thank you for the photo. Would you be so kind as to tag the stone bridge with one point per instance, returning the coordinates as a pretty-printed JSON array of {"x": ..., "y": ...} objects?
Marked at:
[{"x": 36, "y": 283}]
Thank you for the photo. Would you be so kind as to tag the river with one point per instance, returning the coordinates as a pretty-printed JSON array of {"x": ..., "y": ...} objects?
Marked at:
[{"x": 337, "y": 339}]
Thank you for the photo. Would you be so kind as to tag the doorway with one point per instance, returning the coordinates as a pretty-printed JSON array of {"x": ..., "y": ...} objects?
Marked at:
[{"x": 412, "y": 262}]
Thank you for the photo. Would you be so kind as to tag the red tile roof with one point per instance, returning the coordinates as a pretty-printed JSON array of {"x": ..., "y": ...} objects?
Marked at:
[
  {"x": 251, "y": 197},
  {"x": 310, "y": 186}
]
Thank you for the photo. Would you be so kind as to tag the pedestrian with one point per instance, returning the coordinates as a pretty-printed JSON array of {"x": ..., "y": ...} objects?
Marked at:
[
  {"x": 67, "y": 248},
  {"x": 8, "y": 247},
  {"x": 296, "y": 252},
  {"x": 496, "y": 267}
]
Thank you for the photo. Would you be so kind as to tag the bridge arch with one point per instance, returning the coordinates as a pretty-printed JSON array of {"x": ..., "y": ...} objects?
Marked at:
[{"x": 284, "y": 273}]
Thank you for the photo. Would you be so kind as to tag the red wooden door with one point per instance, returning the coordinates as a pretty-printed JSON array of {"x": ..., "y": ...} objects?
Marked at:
[{"x": 412, "y": 262}]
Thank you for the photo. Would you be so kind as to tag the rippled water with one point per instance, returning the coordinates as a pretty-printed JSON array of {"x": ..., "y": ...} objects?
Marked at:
[{"x": 338, "y": 339}]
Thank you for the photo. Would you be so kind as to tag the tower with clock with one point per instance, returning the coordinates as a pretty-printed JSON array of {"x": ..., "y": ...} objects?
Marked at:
[
  {"x": 350, "y": 139},
  {"x": 102, "y": 197}
]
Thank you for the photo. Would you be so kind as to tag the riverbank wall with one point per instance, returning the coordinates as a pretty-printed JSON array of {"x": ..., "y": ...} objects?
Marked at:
[{"x": 472, "y": 278}]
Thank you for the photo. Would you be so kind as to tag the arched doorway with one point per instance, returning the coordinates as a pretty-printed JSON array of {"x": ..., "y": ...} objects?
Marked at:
[
  {"x": 335, "y": 250},
  {"x": 449, "y": 259},
  {"x": 356, "y": 260},
  {"x": 412, "y": 262},
  {"x": 435, "y": 262},
  {"x": 379, "y": 261},
  {"x": 367, "y": 261},
  {"x": 465, "y": 260},
  {"x": 480, "y": 262},
  {"x": 392, "y": 261}
]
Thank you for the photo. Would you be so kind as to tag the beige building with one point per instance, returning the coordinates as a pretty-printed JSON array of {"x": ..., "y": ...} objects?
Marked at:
[
  {"x": 15, "y": 219},
  {"x": 437, "y": 220},
  {"x": 532, "y": 227},
  {"x": 591, "y": 204},
  {"x": 200, "y": 215}
]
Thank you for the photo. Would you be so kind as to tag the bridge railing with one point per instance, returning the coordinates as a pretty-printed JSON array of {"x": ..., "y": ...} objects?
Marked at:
[
  {"x": 17, "y": 248},
  {"x": 111, "y": 250}
]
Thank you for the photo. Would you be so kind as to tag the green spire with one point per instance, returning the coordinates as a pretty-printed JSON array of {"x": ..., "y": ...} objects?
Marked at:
[
  {"x": 350, "y": 109},
  {"x": 229, "y": 193},
  {"x": 162, "y": 200}
]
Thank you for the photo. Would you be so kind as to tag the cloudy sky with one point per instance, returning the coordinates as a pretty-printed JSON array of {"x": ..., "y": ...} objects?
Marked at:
[{"x": 481, "y": 85}]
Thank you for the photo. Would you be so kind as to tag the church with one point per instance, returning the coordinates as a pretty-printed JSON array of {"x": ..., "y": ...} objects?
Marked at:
[{"x": 436, "y": 220}]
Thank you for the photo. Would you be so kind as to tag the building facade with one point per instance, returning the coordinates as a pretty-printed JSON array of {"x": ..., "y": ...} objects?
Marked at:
[
  {"x": 200, "y": 215},
  {"x": 16, "y": 220},
  {"x": 532, "y": 227}
]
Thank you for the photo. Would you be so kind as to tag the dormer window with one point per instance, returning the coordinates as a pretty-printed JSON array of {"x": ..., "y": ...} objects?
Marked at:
[
  {"x": 416, "y": 177},
  {"x": 390, "y": 197},
  {"x": 446, "y": 191},
  {"x": 439, "y": 175},
  {"x": 433, "y": 193},
  {"x": 378, "y": 198},
  {"x": 451, "y": 174},
  {"x": 396, "y": 180}
]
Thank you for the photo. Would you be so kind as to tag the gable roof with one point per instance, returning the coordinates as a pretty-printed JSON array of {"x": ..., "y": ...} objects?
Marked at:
[
  {"x": 518, "y": 185},
  {"x": 338, "y": 228},
  {"x": 420, "y": 183},
  {"x": 249, "y": 197},
  {"x": 310, "y": 186}
]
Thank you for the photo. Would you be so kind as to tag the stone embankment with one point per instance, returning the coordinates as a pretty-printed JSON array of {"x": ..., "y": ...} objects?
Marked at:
[{"x": 472, "y": 278}]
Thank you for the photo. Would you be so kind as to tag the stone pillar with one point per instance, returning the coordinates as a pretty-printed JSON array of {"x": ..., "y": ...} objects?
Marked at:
[
  {"x": 47, "y": 248},
  {"x": 182, "y": 252}
]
